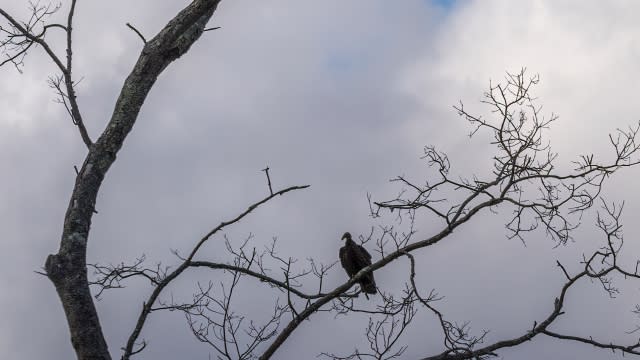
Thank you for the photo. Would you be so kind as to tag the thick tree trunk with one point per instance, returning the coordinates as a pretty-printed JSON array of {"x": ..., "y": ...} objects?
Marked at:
[{"x": 67, "y": 269}]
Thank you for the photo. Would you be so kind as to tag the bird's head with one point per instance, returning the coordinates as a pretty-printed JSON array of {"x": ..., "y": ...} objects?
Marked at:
[{"x": 346, "y": 236}]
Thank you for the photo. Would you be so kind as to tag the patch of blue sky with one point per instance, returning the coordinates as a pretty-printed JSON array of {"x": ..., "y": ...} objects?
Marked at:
[
  {"x": 343, "y": 62},
  {"x": 444, "y": 4}
]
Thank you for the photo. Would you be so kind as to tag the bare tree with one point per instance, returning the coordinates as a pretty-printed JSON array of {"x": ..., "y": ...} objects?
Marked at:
[
  {"x": 67, "y": 269},
  {"x": 524, "y": 179}
]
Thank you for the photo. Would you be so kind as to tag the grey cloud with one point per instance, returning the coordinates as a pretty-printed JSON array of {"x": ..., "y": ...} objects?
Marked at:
[{"x": 340, "y": 95}]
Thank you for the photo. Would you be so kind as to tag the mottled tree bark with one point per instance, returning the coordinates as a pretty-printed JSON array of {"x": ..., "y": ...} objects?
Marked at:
[{"x": 67, "y": 269}]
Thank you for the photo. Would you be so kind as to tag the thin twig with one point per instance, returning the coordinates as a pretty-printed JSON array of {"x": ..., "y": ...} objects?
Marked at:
[
  {"x": 147, "y": 308},
  {"x": 138, "y": 32},
  {"x": 266, "y": 171}
]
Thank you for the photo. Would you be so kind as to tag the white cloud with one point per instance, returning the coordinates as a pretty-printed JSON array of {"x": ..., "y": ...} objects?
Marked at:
[{"x": 342, "y": 95}]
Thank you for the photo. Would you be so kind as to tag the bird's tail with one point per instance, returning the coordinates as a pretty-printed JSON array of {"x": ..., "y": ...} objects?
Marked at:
[{"x": 368, "y": 286}]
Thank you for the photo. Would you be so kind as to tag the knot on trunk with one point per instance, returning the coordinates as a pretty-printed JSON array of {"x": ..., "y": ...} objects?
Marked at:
[{"x": 55, "y": 267}]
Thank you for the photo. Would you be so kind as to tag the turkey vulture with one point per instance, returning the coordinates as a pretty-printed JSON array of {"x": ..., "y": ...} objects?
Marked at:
[{"x": 354, "y": 258}]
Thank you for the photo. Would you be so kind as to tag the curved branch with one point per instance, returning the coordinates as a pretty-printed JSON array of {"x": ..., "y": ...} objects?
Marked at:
[
  {"x": 68, "y": 81},
  {"x": 611, "y": 230},
  {"x": 148, "y": 305},
  {"x": 67, "y": 268},
  {"x": 465, "y": 353},
  {"x": 34, "y": 39},
  {"x": 243, "y": 214},
  {"x": 315, "y": 306},
  {"x": 257, "y": 275},
  {"x": 24, "y": 31},
  {"x": 144, "y": 40},
  {"x": 631, "y": 349},
  {"x": 516, "y": 165}
]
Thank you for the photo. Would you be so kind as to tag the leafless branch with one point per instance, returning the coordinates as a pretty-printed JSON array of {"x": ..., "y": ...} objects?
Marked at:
[
  {"x": 138, "y": 32},
  {"x": 266, "y": 171},
  {"x": 524, "y": 177},
  {"x": 111, "y": 276},
  {"x": 20, "y": 37},
  {"x": 611, "y": 229},
  {"x": 188, "y": 261}
]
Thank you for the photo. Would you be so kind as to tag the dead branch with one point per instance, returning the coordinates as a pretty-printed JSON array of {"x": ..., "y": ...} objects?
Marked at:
[
  {"x": 188, "y": 261},
  {"x": 20, "y": 37}
]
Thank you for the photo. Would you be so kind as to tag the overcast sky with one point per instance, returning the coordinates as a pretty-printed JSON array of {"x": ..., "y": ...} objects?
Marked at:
[{"x": 342, "y": 95}]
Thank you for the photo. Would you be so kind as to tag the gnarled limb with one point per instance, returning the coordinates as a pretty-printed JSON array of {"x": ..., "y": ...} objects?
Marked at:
[{"x": 67, "y": 268}]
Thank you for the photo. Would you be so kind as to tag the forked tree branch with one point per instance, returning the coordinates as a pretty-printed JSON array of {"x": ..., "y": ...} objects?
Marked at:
[
  {"x": 23, "y": 38},
  {"x": 523, "y": 161},
  {"x": 188, "y": 262},
  {"x": 523, "y": 176},
  {"x": 67, "y": 268}
]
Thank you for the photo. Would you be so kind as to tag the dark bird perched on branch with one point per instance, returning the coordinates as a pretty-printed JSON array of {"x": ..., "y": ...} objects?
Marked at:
[{"x": 354, "y": 258}]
